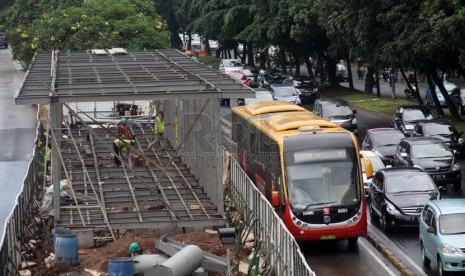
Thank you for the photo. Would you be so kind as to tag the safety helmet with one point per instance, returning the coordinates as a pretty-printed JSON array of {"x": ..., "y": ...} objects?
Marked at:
[
  {"x": 134, "y": 247},
  {"x": 124, "y": 120}
]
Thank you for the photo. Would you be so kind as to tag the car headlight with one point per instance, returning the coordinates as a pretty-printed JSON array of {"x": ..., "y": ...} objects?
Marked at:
[
  {"x": 460, "y": 141},
  {"x": 449, "y": 249},
  {"x": 391, "y": 209},
  {"x": 354, "y": 121},
  {"x": 409, "y": 127},
  {"x": 455, "y": 167},
  {"x": 315, "y": 89}
]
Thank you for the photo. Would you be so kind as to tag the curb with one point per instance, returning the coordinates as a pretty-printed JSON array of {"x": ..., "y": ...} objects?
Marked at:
[{"x": 389, "y": 255}]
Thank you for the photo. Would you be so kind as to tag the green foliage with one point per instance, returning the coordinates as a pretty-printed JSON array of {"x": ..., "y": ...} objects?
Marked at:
[
  {"x": 94, "y": 24},
  {"x": 210, "y": 61}
]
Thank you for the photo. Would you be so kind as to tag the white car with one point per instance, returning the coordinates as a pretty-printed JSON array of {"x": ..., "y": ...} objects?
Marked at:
[
  {"x": 230, "y": 65},
  {"x": 376, "y": 164},
  {"x": 285, "y": 92}
]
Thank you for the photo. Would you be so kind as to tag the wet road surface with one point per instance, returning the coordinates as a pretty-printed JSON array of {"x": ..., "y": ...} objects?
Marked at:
[{"x": 17, "y": 131}]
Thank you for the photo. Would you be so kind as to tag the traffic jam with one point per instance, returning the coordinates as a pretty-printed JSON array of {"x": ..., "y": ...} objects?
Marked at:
[{"x": 414, "y": 181}]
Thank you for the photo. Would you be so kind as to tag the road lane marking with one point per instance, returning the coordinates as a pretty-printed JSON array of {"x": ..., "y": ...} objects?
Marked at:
[
  {"x": 380, "y": 262},
  {"x": 400, "y": 251}
]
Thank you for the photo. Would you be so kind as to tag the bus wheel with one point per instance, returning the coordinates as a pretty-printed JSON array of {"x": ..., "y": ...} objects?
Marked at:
[{"x": 352, "y": 242}]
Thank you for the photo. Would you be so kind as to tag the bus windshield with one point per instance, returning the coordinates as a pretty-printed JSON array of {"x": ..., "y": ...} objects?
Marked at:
[{"x": 319, "y": 178}]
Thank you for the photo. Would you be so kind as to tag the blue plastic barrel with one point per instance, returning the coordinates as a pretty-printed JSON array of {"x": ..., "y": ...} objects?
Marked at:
[
  {"x": 66, "y": 248},
  {"x": 59, "y": 230},
  {"x": 121, "y": 266}
]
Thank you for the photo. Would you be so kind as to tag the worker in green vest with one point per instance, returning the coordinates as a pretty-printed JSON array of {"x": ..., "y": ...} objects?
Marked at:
[
  {"x": 121, "y": 143},
  {"x": 159, "y": 127}
]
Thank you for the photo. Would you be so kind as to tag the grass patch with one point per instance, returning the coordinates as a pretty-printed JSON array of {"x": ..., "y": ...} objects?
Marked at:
[
  {"x": 367, "y": 101},
  {"x": 210, "y": 61}
]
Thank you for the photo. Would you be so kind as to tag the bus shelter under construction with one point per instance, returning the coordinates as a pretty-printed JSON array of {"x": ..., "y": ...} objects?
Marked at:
[{"x": 174, "y": 185}]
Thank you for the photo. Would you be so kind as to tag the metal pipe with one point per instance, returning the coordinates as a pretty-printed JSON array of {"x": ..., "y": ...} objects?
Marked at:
[{"x": 185, "y": 262}]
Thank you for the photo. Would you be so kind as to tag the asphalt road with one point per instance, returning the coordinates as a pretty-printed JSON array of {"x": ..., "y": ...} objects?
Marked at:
[{"x": 17, "y": 131}]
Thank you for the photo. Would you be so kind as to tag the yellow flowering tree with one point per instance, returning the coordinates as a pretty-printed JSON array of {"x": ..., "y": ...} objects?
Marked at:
[{"x": 90, "y": 24}]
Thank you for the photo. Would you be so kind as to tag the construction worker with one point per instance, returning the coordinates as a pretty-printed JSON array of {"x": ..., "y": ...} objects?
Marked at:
[
  {"x": 123, "y": 129},
  {"x": 46, "y": 210},
  {"x": 120, "y": 145},
  {"x": 48, "y": 160},
  {"x": 159, "y": 127}
]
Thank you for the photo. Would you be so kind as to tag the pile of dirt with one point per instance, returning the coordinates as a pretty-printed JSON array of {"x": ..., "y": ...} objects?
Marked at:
[{"x": 94, "y": 261}]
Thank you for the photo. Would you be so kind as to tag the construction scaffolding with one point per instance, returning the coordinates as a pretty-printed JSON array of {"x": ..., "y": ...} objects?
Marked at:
[{"x": 177, "y": 184}]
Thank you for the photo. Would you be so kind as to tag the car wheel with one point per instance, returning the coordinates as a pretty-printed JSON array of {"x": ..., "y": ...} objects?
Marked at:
[
  {"x": 441, "y": 270},
  {"x": 457, "y": 186},
  {"x": 425, "y": 260},
  {"x": 385, "y": 223}
]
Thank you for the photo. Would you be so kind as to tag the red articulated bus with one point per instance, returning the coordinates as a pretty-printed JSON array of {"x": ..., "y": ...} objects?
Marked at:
[{"x": 306, "y": 166}]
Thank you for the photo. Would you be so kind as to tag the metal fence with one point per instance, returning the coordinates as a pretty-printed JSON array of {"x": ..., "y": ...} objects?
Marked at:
[
  {"x": 281, "y": 249},
  {"x": 24, "y": 221}
]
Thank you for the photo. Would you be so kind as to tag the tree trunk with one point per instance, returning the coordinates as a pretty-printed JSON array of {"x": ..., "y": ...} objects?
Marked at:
[
  {"x": 378, "y": 89},
  {"x": 349, "y": 70},
  {"x": 369, "y": 80},
  {"x": 433, "y": 94},
  {"x": 250, "y": 57},
  {"x": 206, "y": 44},
  {"x": 309, "y": 67},
  {"x": 452, "y": 108}
]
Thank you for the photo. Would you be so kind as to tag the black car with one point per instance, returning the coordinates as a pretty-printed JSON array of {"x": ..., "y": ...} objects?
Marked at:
[
  {"x": 306, "y": 86},
  {"x": 267, "y": 77},
  {"x": 399, "y": 194},
  {"x": 406, "y": 117},
  {"x": 337, "y": 111},
  {"x": 383, "y": 142},
  {"x": 444, "y": 131},
  {"x": 433, "y": 155}
]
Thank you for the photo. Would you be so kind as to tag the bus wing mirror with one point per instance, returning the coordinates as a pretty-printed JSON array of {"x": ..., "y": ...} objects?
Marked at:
[{"x": 275, "y": 200}]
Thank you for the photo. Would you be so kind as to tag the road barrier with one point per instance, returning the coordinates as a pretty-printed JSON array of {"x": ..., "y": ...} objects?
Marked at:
[{"x": 281, "y": 249}]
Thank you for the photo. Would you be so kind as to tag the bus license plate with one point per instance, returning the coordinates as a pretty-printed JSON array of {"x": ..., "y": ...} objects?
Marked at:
[{"x": 327, "y": 237}]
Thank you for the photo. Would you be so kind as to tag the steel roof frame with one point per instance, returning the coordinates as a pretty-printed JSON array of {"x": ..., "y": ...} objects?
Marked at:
[{"x": 147, "y": 75}]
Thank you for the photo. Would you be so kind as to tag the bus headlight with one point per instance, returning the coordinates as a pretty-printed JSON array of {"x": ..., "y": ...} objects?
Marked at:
[{"x": 391, "y": 209}]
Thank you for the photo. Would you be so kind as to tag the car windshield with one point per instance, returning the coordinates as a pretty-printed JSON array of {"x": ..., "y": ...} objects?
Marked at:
[
  {"x": 409, "y": 182},
  {"x": 232, "y": 63},
  {"x": 387, "y": 139},
  {"x": 410, "y": 115},
  {"x": 431, "y": 150},
  {"x": 322, "y": 178},
  {"x": 247, "y": 72},
  {"x": 304, "y": 82},
  {"x": 334, "y": 110},
  {"x": 452, "y": 224},
  {"x": 260, "y": 96},
  {"x": 284, "y": 91},
  {"x": 438, "y": 129}
]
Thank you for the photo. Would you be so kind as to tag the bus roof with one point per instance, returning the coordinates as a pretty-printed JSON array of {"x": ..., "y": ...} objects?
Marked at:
[
  {"x": 264, "y": 107},
  {"x": 298, "y": 120}
]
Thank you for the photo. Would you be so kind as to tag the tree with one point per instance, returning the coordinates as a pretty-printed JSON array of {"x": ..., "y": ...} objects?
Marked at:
[{"x": 94, "y": 24}]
